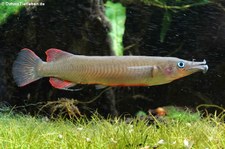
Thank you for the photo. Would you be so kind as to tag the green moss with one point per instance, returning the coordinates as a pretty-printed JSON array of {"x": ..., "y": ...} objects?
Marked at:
[
  {"x": 182, "y": 115},
  {"x": 10, "y": 7},
  {"x": 18, "y": 131}
]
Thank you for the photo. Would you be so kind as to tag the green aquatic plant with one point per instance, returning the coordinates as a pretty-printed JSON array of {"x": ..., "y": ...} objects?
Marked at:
[
  {"x": 175, "y": 4},
  {"x": 116, "y": 15},
  {"x": 184, "y": 115},
  {"x": 20, "y": 131},
  {"x": 10, "y": 7},
  {"x": 172, "y": 5},
  {"x": 166, "y": 21}
]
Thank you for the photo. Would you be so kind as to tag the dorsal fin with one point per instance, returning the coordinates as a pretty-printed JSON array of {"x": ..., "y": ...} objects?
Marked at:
[
  {"x": 61, "y": 84},
  {"x": 55, "y": 54}
]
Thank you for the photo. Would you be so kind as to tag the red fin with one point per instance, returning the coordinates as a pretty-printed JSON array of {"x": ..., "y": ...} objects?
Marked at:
[
  {"x": 54, "y": 54},
  {"x": 60, "y": 84}
]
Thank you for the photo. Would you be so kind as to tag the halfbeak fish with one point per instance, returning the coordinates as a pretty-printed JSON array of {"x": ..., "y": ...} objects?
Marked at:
[{"x": 66, "y": 70}]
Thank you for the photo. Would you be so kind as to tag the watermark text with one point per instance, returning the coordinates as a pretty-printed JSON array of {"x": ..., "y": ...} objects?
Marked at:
[{"x": 22, "y": 3}]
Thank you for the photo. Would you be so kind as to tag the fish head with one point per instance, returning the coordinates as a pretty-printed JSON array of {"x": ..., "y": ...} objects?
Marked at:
[{"x": 175, "y": 68}]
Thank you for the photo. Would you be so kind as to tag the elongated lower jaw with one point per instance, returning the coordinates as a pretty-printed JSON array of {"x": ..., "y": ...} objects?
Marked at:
[{"x": 199, "y": 66}]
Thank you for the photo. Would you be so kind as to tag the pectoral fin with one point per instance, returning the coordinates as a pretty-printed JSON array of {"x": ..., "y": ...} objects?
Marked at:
[
  {"x": 140, "y": 70},
  {"x": 100, "y": 87}
]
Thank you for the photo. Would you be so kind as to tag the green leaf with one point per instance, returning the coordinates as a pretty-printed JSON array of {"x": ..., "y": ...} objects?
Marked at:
[
  {"x": 116, "y": 15},
  {"x": 167, "y": 18}
]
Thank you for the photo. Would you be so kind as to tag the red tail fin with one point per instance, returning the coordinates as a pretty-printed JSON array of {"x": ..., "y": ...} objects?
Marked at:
[{"x": 25, "y": 67}]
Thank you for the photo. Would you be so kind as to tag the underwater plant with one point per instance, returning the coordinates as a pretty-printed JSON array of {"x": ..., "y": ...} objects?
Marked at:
[
  {"x": 175, "y": 4},
  {"x": 170, "y": 7},
  {"x": 62, "y": 107},
  {"x": 10, "y": 7},
  {"x": 166, "y": 21},
  {"x": 116, "y": 15}
]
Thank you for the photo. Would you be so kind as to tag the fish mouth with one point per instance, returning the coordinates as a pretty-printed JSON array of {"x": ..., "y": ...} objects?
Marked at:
[{"x": 199, "y": 66}]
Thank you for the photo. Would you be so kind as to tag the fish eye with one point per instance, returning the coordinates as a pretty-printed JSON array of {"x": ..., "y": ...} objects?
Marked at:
[{"x": 181, "y": 64}]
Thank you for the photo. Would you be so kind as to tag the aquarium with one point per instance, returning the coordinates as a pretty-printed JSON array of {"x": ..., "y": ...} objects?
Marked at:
[
  {"x": 144, "y": 59},
  {"x": 190, "y": 30}
]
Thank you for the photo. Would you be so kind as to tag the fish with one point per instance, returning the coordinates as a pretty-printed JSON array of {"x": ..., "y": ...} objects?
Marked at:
[{"x": 65, "y": 69}]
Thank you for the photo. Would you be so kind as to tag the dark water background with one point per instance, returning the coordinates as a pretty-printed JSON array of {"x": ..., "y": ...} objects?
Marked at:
[{"x": 196, "y": 33}]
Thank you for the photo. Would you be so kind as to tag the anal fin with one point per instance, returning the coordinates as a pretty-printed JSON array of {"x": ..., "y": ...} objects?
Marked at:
[{"x": 61, "y": 84}]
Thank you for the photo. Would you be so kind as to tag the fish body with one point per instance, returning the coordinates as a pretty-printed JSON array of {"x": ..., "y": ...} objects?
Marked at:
[{"x": 66, "y": 70}]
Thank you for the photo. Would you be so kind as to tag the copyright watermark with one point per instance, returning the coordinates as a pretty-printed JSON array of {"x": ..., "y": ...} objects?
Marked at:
[{"x": 22, "y": 3}]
